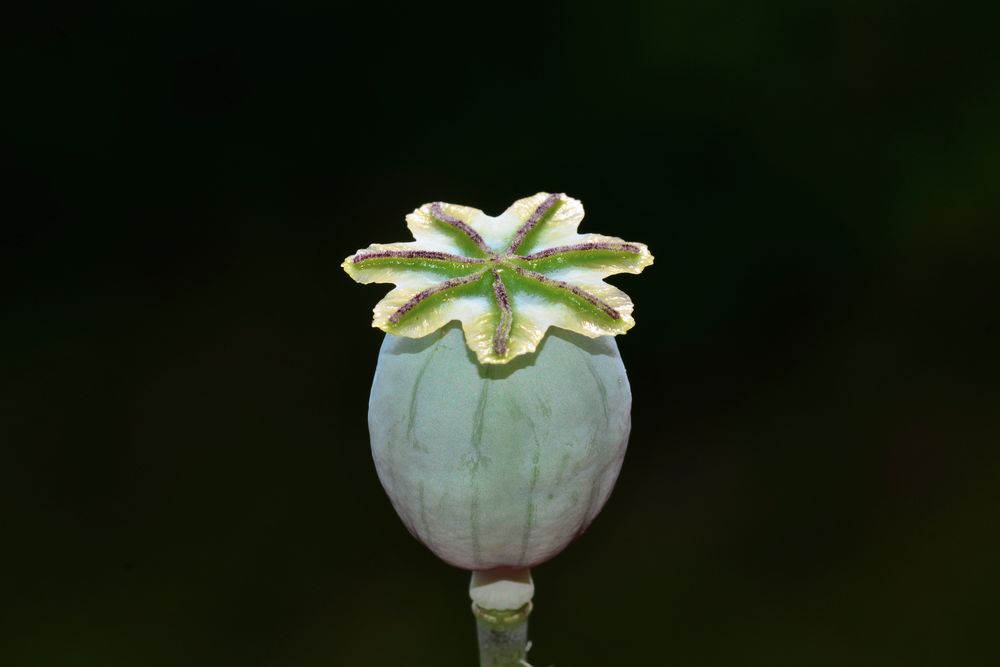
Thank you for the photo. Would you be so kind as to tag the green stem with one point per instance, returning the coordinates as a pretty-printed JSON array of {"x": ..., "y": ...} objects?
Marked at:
[
  {"x": 503, "y": 636},
  {"x": 501, "y": 602}
]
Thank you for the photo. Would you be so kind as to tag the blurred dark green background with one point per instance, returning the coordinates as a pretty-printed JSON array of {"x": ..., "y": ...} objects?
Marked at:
[{"x": 184, "y": 467}]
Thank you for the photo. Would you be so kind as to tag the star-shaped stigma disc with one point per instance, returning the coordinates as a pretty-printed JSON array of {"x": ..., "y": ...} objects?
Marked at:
[{"x": 506, "y": 279}]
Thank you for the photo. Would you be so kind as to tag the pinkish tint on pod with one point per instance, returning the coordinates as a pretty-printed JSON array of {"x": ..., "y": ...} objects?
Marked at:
[{"x": 500, "y": 409}]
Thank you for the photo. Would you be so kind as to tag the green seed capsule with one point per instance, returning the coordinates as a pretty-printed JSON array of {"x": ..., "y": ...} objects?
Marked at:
[{"x": 498, "y": 465}]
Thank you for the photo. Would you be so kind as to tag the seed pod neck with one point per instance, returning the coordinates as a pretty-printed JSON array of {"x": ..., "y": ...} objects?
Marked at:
[{"x": 501, "y": 603}]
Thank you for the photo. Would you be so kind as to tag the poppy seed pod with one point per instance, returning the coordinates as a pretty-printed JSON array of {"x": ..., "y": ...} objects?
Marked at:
[
  {"x": 499, "y": 413},
  {"x": 498, "y": 465}
]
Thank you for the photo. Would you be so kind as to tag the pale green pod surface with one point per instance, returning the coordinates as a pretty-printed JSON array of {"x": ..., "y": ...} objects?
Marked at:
[{"x": 498, "y": 465}]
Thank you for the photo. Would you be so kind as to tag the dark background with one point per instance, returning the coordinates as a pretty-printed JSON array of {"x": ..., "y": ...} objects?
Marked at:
[{"x": 184, "y": 467}]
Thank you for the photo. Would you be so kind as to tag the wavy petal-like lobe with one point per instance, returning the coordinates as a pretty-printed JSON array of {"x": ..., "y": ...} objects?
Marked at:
[
  {"x": 433, "y": 312},
  {"x": 588, "y": 257},
  {"x": 394, "y": 262},
  {"x": 561, "y": 224},
  {"x": 433, "y": 227},
  {"x": 498, "y": 231},
  {"x": 480, "y": 332},
  {"x": 535, "y": 313},
  {"x": 507, "y": 279}
]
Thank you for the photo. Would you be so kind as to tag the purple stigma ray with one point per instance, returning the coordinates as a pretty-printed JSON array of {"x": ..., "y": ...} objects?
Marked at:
[
  {"x": 438, "y": 214},
  {"x": 502, "y": 335},
  {"x": 416, "y": 254},
  {"x": 582, "y": 294},
  {"x": 583, "y": 247},
  {"x": 423, "y": 295},
  {"x": 533, "y": 220}
]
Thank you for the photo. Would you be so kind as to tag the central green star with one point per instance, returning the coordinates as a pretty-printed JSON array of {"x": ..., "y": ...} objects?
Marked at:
[{"x": 506, "y": 279}]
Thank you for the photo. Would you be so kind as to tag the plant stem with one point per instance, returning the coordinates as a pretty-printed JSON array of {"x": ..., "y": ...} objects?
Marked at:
[
  {"x": 503, "y": 636},
  {"x": 501, "y": 602}
]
